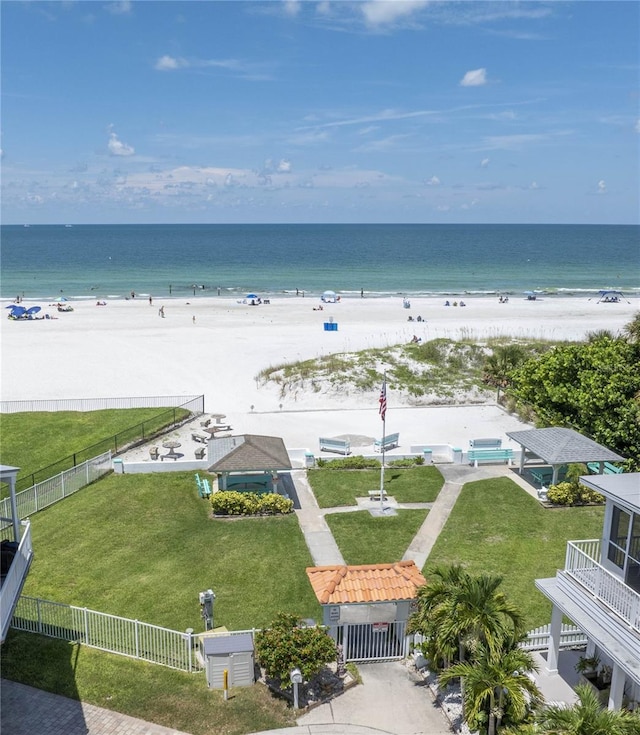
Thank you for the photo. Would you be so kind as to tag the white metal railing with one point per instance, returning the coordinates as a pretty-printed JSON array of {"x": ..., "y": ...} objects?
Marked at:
[
  {"x": 14, "y": 579},
  {"x": 57, "y": 488},
  {"x": 538, "y": 638},
  {"x": 97, "y": 404},
  {"x": 111, "y": 633},
  {"x": 582, "y": 565}
]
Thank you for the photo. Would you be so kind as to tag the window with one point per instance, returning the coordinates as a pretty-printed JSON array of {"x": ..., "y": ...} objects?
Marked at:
[{"x": 620, "y": 522}]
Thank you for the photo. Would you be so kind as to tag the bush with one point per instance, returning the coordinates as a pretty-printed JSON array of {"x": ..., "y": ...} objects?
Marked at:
[
  {"x": 286, "y": 646},
  {"x": 232, "y": 503},
  {"x": 357, "y": 462},
  {"x": 567, "y": 493}
]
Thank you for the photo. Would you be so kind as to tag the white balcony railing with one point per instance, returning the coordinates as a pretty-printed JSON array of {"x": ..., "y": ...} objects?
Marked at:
[
  {"x": 582, "y": 565},
  {"x": 13, "y": 581}
]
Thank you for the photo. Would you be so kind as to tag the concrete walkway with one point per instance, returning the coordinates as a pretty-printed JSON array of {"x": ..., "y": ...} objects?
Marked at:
[{"x": 390, "y": 702}]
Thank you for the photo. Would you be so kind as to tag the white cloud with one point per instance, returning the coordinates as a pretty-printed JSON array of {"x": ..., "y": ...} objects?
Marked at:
[
  {"x": 474, "y": 78},
  {"x": 484, "y": 163},
  {"x": 637, "y": 126},
  {"x": 169, "y": 63},
  {"x": 284, "y": 167},
  {"x": 292, "y": 7},
  {"x": 534, "y": 185},
  {"x": 386, "y": 12},
  {"x": 602, "y": 187},
  {"x": 118, "y": 148},
  {"x": 433, "y": 181},
  {"x": 123, "y": 7}
]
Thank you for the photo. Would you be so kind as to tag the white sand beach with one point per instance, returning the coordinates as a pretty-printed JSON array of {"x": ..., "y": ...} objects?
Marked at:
[{"x": 216, "y": 347}]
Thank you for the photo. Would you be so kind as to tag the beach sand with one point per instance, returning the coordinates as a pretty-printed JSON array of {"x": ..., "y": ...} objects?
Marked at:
[{"x": 217, "y": 347}]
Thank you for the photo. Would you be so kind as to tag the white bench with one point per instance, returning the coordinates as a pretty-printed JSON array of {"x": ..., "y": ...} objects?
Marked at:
[
  {"x": 341, "y": 446},
  {"x": 375, "y": 495},
  {"x": 485, "y": 443},
  {"x": 200, "y": 438},
  {"x": 390, "y": 441}
]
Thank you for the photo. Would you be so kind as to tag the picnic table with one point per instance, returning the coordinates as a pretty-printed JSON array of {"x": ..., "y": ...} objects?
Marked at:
[{"x": 171, "y": 445}]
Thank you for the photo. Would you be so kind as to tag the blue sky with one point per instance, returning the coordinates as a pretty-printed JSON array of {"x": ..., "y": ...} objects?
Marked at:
[{"x": 287, "y": 111}]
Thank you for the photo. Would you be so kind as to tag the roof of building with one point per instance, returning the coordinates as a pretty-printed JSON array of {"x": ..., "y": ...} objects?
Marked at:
[
  {"x": 339, "y": 585},
  {"x": 563, "y": 446},
  {"x": 248, "y": 452},
  {"x": 623, "y": 489}
]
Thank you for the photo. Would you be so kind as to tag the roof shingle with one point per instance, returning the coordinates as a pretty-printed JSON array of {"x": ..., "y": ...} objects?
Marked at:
[{"x": 339, "y": 585}]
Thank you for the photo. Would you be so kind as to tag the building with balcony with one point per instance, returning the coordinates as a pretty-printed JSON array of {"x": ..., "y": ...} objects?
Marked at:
[
  {"x": 16, "y": 553},
  {"x": 599, "y": 589}
]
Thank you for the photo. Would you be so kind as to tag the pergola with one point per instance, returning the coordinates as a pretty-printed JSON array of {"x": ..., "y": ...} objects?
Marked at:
[
  {"x": 557, "y": 447},
  {"x": 248, "y": 453}
]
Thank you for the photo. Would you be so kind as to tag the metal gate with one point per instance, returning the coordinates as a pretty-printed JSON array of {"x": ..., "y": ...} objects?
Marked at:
[{"x": 372, "y": 641}]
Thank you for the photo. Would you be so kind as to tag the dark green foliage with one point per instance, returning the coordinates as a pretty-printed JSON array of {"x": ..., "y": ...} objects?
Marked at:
[
  {"x": 229, "y": 502},
  {"x": 592, "y": 387},
  {"x": 285, "y": 646},
  {"x": 357, "y": 462}
]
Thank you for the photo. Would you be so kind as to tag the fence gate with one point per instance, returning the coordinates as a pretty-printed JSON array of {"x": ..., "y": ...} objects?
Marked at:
[{"x": 373, "y": 641}]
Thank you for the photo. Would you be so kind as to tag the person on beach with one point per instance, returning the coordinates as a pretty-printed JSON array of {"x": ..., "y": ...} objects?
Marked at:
[
  {"x": 193, "y": 318},
  {"x": 150, "y": 301},
  {"x": 161, "y": 311}
]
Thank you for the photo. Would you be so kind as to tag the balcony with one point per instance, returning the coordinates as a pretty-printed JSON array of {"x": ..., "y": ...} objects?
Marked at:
[
  {"x": 15, "y": 566},
  {"x": 609, "y": 590}
]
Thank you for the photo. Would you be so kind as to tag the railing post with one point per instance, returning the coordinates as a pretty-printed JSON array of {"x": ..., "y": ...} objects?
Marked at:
[
  {"x": 38, "y": 612},
  {"x": 85, "y": 614},
  {"x": 137, "y": 637}
]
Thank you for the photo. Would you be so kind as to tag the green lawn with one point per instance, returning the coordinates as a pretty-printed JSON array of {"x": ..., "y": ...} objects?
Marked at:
[
  {"x": 143, "y": 546},
  {"x": 33, "y": 441},
  {"x": 365, "y": 539},
  {"x": 171, "y": 698},
  {"x": 497, "y": 527},
  {"x": 335, "y": 488}
]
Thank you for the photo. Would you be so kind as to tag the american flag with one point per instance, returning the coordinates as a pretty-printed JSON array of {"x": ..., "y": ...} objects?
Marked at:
[{"x": 383, "y": 400}]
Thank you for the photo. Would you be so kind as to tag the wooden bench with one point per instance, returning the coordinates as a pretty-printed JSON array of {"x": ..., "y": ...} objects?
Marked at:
[
  {"x": 200, "y": 438},
  {"x": 490, "y": 455},
  {"x": 200, "y": 452},
  {"x": 375, "y": 495},
  {"x": 608, "y": 469},
  {"x": 390, "y": 441},
  {"x": 341, "y": 446},
  {"x": 485, "y": 443}
]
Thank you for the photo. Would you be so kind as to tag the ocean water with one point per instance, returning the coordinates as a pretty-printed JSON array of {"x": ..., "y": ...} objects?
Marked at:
[{"x": 111, "y": 261}]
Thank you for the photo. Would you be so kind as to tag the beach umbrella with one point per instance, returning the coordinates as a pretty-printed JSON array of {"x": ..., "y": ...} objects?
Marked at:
[
  {"x": 331, "y": 294},
  {"x": 34, "y": 310},
  {"x": 252, "y": 296},
  {"x": 62, "y": 298},
  {"x": 17, "y": 310}
]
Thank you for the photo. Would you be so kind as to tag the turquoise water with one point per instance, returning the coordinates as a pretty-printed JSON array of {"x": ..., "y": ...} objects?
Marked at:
[{"x": 110, "y": 261}]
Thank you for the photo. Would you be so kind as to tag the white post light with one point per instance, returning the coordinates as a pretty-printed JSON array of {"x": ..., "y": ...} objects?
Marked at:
[{"x": 296, "y": 678}]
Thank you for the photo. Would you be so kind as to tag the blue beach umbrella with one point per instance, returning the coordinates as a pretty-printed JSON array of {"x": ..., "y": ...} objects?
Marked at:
[
  {"x": 17, "y": 310},
  {"x": 252, "y": 296},
  {"x": 34, "y": 310}
]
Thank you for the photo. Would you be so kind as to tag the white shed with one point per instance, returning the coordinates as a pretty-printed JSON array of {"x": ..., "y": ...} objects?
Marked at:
[{"x": 231, "y": 652}]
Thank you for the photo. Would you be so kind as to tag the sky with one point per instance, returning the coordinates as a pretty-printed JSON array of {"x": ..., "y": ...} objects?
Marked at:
[{"x": 277, "y": 111}]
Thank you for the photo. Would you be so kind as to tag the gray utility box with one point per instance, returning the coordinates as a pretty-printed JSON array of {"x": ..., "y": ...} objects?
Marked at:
[{"x": 231, "y": 652}]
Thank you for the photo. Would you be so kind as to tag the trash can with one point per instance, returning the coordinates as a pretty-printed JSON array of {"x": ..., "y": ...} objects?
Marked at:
[
  {"x": 118, "y": 467},
  {"x": 428, "y": 456},
  {"x": 457, "y": 455},
  {"x": 309, "y": 459}
]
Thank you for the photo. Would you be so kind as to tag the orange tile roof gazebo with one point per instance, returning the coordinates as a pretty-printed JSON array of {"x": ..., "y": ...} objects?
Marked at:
[{"x": 365, "y": 583}]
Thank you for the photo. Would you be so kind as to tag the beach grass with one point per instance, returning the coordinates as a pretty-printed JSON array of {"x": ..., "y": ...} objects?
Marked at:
[
  {"x": 336, "y": 488},
  {"x": 34, "y": 441},
  {"x": 495, "y": 526},
  {"x": 167, "y": 697},
  {"x": 366, "y": 539},
  {"x": 143, "y": 546}
]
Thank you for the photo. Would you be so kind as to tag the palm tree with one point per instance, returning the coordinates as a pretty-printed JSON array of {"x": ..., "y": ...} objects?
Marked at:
[
  {"x": 495, "y": 685},
  {"x": 478, "y": 612},
  {"x": 499, "y": 365},
  {"x": 587, "y": 717},
  {"x": 632, "y": 329}
]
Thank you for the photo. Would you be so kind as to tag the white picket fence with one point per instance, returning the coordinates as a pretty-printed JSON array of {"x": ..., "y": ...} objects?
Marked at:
[
  {"x": 57, "y": 488},
  {"x": 122, "y": 636},
  {"x": 538, "y": 638}
]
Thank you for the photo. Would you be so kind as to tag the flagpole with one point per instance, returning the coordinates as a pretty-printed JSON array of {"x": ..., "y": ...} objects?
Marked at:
[{"x": 383, "y": 414}]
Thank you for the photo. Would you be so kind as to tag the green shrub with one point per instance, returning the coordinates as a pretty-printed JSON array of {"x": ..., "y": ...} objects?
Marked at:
[
  {"x": 285, "y": 646},
  {"x": 567, "y": 493},
  {"x": 232, "y": 503},
  {"x": 357, "y": 462}
]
